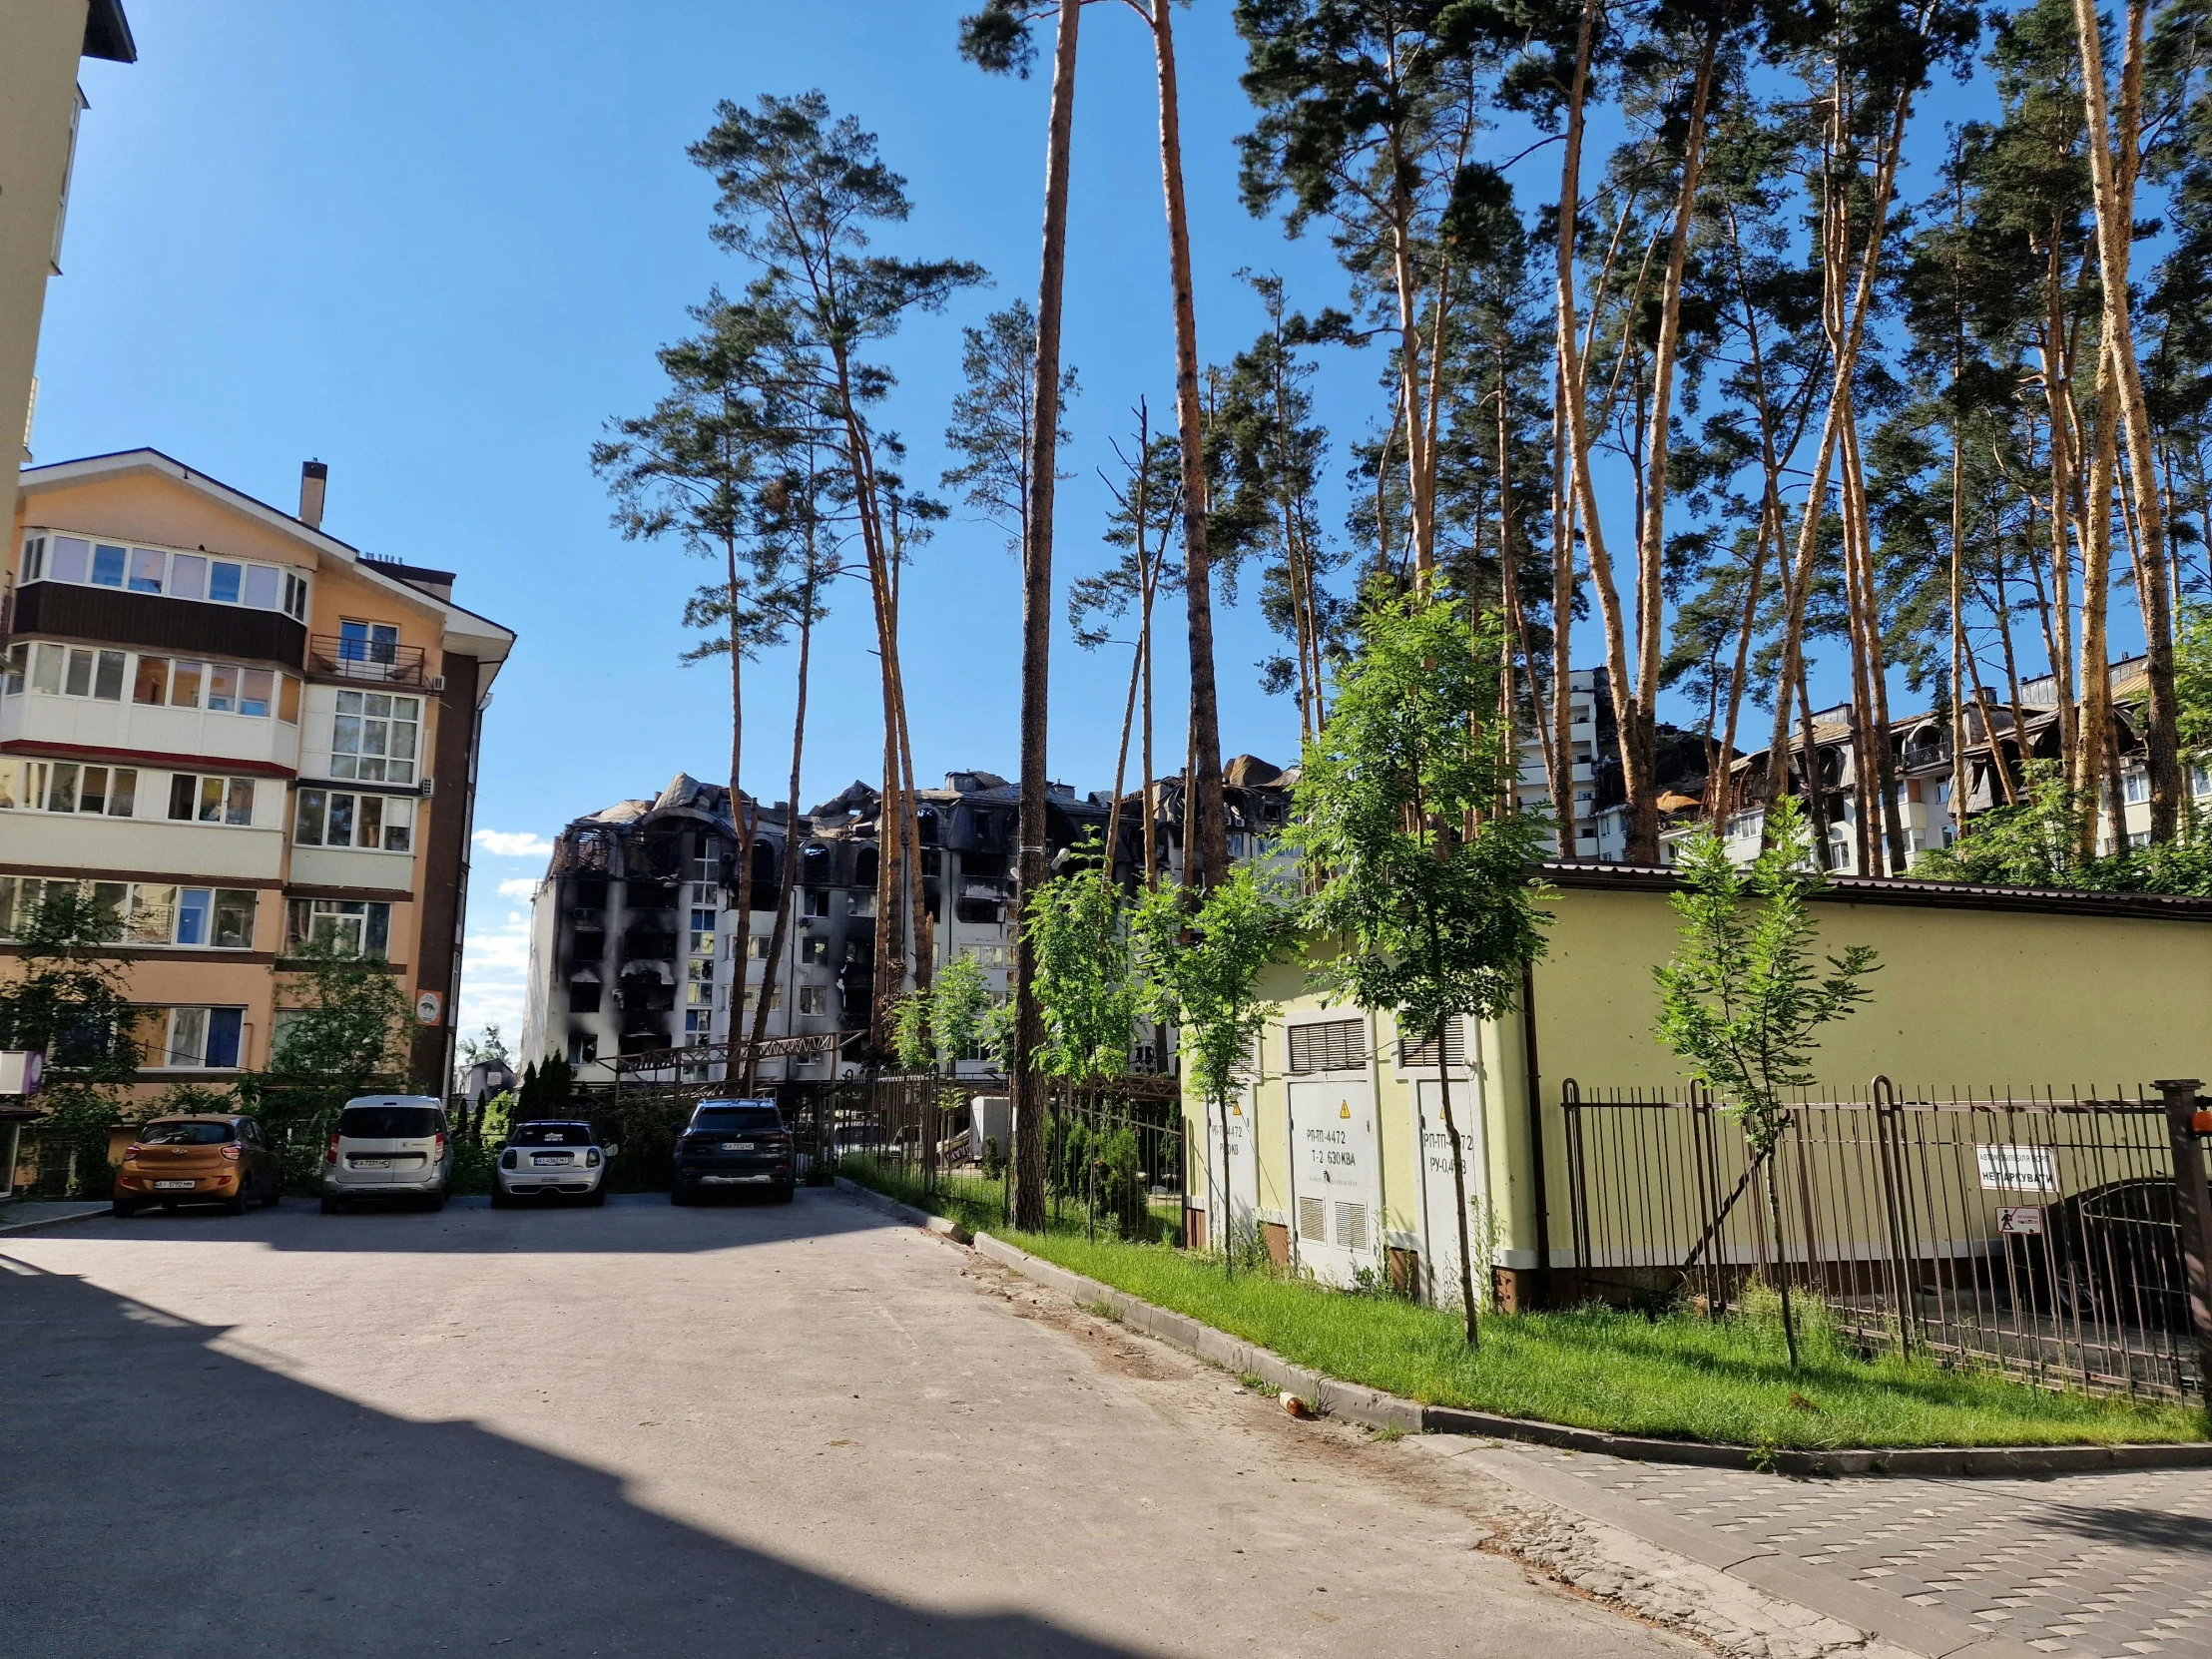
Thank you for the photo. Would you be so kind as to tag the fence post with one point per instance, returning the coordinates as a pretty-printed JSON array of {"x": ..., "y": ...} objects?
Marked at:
[
  {"x": 1890, "y": 1141},
  {"x": 2193, "y": 1210}
]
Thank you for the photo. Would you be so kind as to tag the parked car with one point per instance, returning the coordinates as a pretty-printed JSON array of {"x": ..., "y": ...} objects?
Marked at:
[
  {"x": 387, "y": 1148},
  {"x": 732, "y": 1146},
  {"x": 200, "y": 1159},
  {"x": 552, "y": 1159}
]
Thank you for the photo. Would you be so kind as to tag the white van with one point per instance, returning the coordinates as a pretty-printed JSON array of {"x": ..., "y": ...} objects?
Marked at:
[{"x": 390, "y": 1147}]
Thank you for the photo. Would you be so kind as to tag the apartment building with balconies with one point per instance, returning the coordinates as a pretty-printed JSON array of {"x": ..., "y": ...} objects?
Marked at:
[{"x": 242, "y": 733}]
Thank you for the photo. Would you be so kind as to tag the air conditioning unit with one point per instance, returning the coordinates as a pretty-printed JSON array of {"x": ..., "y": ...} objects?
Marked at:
[
  {"x": 437, "y": 682},
  {"x": 427, "y": 788}
]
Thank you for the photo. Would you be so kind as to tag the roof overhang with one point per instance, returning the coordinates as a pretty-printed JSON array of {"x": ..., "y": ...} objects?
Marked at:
[
  {"x": 108, "y": 33},
  {"x": 462, "y": 630}
]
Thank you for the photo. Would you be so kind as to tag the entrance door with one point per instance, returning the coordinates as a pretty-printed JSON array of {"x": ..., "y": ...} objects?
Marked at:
[
  {"x": 1332, "y": 1157},
  {"x": 1439, "y": 1254},
  {"x": 1243, "y": 1163}
]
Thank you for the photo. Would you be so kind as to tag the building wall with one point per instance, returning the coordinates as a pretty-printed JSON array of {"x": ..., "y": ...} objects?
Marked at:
[
  {"x": 38, "y": 103},
  {"x": 1964, "y": 998},
  {"x": 138, "y": 501}
]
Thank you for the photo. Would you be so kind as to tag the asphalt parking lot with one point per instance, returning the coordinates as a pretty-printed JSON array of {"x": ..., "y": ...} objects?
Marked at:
[{"x": 646, "y": 1430}]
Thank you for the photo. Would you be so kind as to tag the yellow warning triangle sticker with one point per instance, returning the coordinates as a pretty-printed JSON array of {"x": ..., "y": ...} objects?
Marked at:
[
  {"x": 1235, "y": 1111},
  {"x": 1345, "y": 1110}
]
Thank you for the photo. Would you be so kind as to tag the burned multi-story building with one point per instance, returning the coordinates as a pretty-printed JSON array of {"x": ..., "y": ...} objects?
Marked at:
[{"x": 637, "y": 946}]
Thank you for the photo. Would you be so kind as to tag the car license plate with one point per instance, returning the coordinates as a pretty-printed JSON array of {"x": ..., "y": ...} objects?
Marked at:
[
  {"x": 737, "y": 1146},
  {"x": 373, "y": 1163},
  {"x": 562, "y": 1159},
  {"x": 169, "y": 1186},
  {"x": 734, "y": 1180}
]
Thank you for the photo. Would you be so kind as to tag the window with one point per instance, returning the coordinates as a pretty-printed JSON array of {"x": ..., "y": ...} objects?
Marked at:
[
  {"x": 702, "y": 934},
  {"x": 374, "y": 822},
  {"x": 146, "y": 914},
  {"x": 700, "y": 971},
  {"x": 699, "y": 993},
  {"x": 814, "y": 999},
  {"x": 368, "y": 642},
  {"x": 195, "y": 798},
  {"x": 814, "y": 952},
  {"x": 373, "y": 736},
  {"x": 352, "y": 927},
  {"x": 1331, "y": 1045},
  {"x": 193, "y": 576},
  {"x": 699, "y": 1023},
  {"x": 862, "y": 904},
  {"x": 195, "y": 1038},
  {"x": 817, "y": 903},
  {"x": 68, "y": 786},
  {"x": 2135, "y": 785},
  {"x": 68, "y": 671},
  {"x": 775, "y": 997},
  {"x": 757, "y": 947},
  {"x": 2200, "y": 780}
]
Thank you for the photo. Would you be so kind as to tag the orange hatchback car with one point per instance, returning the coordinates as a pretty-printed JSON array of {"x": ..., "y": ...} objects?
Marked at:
[{"x": 197, "y": 1160}]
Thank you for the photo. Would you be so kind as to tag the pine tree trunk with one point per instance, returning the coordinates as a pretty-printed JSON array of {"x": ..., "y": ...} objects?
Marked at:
[
  {"x": 1036, "y": 631},
  {"x": 1642, "y": 713},
  {"x": 787, "y": 875},
  {"x": 2112, "y": 183},
  {"x": 740, "y": 817},
  {"x": 1205, "y": 784},
  {"x": 2096, "y": 736}
]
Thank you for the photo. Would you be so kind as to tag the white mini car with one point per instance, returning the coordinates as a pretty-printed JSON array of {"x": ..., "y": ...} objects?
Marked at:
[{"x": 560, "y": 1158}]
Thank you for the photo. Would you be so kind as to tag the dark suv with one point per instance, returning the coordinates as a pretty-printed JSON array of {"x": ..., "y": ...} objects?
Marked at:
[{"x": 732, "y": 1146}]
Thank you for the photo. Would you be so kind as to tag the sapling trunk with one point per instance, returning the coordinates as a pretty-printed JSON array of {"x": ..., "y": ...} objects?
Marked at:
[
  {"x": 1781, "y": 1264},
  {"x": 1458, "y": 1188},
  {"x": 1227, "y": 1222}
]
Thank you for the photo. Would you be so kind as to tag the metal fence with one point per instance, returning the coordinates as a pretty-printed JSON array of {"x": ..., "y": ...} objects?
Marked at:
[
  {"x": 2041, "y": 1233},
  {"x": 1114, "y": 1154}
]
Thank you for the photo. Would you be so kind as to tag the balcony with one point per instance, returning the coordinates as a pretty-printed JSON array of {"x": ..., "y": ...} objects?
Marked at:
[{"x": 381, "y": 661}]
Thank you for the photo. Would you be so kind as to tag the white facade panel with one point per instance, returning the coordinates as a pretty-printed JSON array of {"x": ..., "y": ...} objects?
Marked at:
[
  {"x": 91, "y": 722},
  {"x": 335, "y": 866},
  {"x": 82, "y": 840}
]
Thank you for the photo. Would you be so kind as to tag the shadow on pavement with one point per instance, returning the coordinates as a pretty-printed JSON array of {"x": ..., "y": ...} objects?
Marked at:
[
  {"x": 2132, "y": 1527},
  {"x": 163, "y": 1496},
  {"x": 629, "y": 1223}
]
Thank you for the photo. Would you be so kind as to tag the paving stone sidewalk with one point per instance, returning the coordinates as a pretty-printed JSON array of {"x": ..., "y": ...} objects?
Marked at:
[{"x": 2100, "y": 1566}]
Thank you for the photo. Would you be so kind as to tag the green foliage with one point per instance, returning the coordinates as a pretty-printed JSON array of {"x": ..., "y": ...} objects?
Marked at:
[
  {"x": 1201, "y": 968},
  {"x": 497, "y": 1116},
  {"x": 67, "y": 997},
  {"x": 546, "y": 1089},
  {"x": 344, "y": 1017},
  {"x": 939, "y": 1026},
  {"x": 2037, "y": 844},
  {"x": 490, "y": 1047},
  {"x": 2193, "y": 679},
  {"x": 1087, "y": 994},
  {"x": 1741, "y": 1002},
  {"x": 1417, "y": 912}
]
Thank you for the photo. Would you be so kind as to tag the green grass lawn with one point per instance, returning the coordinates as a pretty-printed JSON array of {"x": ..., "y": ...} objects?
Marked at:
[{"x": 1678, "y": 1376}]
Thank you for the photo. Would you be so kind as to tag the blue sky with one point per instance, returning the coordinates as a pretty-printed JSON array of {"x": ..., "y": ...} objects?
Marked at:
[{"x": 435, "y": 246}]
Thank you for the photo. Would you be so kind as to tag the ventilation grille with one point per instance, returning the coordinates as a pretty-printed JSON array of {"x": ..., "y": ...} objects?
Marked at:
[
  {"x": 1312, "y": 1220},
  {"x": 1352, "y": 1226},
  {"x": 1415, "y": 1056},
  {"x": 1333, "y": 1045}
]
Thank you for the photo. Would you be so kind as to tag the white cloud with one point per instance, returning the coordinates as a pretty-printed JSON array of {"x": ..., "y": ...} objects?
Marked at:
[
  {"x": 521, "y": 888},
  {"x": 495, "y": 974},
  {"x": 514, "y": 843}
]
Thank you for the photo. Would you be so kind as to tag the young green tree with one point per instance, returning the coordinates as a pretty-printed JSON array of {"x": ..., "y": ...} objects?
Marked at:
[
  {"x": 1742, "y": 1002},
  {"x": 1087, "y": 994},
  {"x": 1199, "y": 968},
  {"x": 1406, "y": 819},
  {"x": 67, "y": 997},
  {"x": 346, "y": 1018}
]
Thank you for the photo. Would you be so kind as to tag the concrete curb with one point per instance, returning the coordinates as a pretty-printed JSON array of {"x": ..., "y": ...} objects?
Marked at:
[
  {"x": 91, "y": 1213},
  {"x": 1375, "y": 1409},
  {"x": 905, "y": 1212}
]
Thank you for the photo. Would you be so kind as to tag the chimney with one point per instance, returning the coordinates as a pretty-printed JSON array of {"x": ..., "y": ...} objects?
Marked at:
[{"x": 314, "y": 479}]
